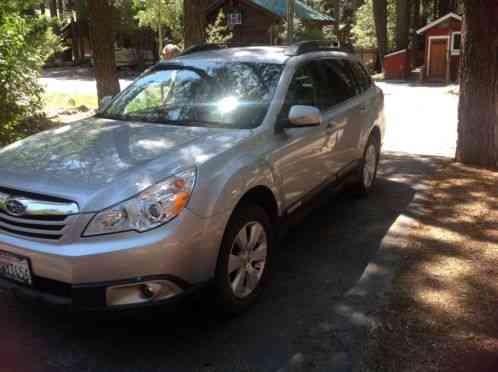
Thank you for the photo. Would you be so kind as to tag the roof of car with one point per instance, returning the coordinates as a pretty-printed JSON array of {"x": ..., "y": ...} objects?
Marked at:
[
  {"x": 265, "y": 54},
  {"x": 261, "y": 54}
]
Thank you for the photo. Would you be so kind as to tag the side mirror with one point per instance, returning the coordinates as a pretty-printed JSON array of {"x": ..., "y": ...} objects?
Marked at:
[
  {"x": 304, "y": 116},
  {"x": 105, "y": 102}
]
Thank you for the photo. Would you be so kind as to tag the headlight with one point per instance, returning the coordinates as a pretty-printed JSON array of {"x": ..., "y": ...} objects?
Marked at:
[{"x": 151, "y": 208}]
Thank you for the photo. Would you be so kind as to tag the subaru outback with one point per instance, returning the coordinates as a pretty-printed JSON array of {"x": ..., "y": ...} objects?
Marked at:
[{"x": 185, "y": 177}]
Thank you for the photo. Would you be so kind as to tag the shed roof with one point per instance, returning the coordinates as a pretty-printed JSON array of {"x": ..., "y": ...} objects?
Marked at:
[
  {"x": 279, "y": 9},
  {"x": 438, "y": 21}
]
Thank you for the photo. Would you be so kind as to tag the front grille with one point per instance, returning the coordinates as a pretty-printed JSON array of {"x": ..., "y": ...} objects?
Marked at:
[
  {"x": 47, "y": 227},
  {"x": 35, "y": 216}
]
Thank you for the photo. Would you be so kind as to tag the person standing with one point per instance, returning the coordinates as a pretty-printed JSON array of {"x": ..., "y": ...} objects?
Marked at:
[{"x": 170, "y": 51}]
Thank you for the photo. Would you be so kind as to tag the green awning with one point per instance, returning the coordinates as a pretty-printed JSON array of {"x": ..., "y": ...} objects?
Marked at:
[{"x": 303, "y": 11}]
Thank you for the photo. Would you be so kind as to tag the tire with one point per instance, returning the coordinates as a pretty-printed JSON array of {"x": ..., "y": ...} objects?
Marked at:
[
  {"x": 242, "y": 272},
  {"x": 367, "y": 171}
]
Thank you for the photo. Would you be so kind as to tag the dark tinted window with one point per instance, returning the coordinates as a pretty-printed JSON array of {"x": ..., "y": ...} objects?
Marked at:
[
  {"x": 302, "y": 90},
  {"x": 457, "y": 41},
  {"x": 361, "y": 76},
  {"x": 335, "y": 83}
]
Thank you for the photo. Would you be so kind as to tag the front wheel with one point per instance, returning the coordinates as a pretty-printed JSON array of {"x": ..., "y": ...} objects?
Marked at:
[
  {"x": 367, "y": 172},
  {"x": 244, "y": 260}
]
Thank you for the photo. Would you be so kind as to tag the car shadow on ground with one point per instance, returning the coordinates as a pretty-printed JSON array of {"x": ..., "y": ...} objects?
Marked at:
[{"x": 320, "y": 259}]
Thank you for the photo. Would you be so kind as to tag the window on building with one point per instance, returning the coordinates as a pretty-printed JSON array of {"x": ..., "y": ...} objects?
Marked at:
[
  {"x": 234, "y": 18},
  {"x": 456, "y": 43}
]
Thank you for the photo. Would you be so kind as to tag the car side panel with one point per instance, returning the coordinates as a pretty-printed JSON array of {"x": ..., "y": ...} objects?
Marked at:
[{"x": 220, "y": 188}]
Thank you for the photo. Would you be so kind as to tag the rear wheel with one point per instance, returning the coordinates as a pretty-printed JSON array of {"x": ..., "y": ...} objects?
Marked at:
[
  {"x": 367, "y": 172},
  {"x": 244, "y": 261}
]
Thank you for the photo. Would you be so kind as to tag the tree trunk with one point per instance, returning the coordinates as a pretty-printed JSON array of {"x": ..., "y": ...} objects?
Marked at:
[
  {"x": 446, "y": 6},
  {"x": 291, "y": 12},
  {"x": 81, "y": 27},
  {"x": 53, "y": 8},
  {"x": 478, "y": 110},
  {"x": 75, "y": 38},
  {"x": 337, "y": 15},
  {"x": 42, "y": 7},
  {"x": 60, "y": 6},
  {"x": 194, "y": 22},
  {"x": 417, "y": 14},
  {"x": 100, "y": 12},
  {"x": 380, "y": 17},
  {"x": 402, "y": 24}
]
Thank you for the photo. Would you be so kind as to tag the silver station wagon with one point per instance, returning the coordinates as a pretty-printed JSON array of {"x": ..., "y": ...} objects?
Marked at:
[{"x": 185, "y": 178}]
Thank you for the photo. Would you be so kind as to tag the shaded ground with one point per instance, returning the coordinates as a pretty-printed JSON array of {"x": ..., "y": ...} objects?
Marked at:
[
  {"x": 441, "y": 311},
  {"x": 321, "y": 259}
]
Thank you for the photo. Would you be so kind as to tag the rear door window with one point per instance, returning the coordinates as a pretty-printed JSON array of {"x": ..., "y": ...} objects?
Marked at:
[
  {"x": 335, "y": 83},
  {"x": 361, "y": 76}
]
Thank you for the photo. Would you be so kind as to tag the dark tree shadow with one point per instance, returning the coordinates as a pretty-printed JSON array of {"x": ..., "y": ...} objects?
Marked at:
[{"x": 442, "y": 308}]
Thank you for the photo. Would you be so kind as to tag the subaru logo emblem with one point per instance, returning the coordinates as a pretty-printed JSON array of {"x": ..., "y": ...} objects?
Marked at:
[{"x": 15, "y": 207}]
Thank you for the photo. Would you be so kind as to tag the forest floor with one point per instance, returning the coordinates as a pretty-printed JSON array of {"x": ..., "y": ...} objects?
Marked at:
[{"x": 440, "y": 314}]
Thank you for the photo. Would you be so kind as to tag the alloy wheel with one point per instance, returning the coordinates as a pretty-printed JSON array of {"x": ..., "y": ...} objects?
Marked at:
[
  {"x": 247, "y": 259},
  {"x": 370, "y": 166}
]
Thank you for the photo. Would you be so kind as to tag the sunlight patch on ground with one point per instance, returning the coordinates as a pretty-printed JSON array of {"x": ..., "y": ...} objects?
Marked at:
[{"x": 442, "y": 308}]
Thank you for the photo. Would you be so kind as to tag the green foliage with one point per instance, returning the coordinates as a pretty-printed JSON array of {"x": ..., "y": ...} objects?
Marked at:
[
  {"x": 218, "y": 32},
  {"x": 304, "y": 31},
  {"x": 160, "y": 15},
  {"x": 364, "y": 27},
  {"x": 26, "y": 43}
]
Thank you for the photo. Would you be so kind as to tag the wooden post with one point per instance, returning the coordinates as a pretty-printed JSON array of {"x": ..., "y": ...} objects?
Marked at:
[{"x": 290, "y": 21}]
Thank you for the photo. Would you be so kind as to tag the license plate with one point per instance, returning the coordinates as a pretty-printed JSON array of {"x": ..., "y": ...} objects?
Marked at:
[{"x": 15, "y": 268}]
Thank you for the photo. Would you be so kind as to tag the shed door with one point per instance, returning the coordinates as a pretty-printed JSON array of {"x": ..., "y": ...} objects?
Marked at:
[{"x": 439, "y": 55}]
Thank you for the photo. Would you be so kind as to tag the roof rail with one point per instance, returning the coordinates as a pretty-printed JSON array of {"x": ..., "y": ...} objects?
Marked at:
[
  {"x": 202, "y": 48},
  {"x": 303, "y": 47}
]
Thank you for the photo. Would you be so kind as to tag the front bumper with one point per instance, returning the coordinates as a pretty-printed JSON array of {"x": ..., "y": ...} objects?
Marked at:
[
  {"x": 89, "y": 297},
  {"x": 183, "y": 252}
]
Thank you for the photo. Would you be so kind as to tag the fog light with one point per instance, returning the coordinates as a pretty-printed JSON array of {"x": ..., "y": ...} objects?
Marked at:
[
  {"x": 138, "y": 293},
  {"x": 148, "y": 291}
]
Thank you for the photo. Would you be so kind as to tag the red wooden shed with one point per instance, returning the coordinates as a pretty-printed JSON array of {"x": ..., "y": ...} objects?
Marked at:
[
  {"x": 397, "y": 65},
  {"x": 442, "y": 48}
]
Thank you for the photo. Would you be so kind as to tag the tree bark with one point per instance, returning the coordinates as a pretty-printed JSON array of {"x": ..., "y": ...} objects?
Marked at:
[
  {"x": 478, "y": 108},
  {"x": 194, "y": 22},
  {"x": 380, "y": 17},
  {"x": 60, "y": 6},
  {"x": 446, "y": 6},
  {"x": 100, "y": 12},
  {"x": 337, "y": 15},
  {"x": 53, "y": 8},
  {"x": 402, "y": 24},
  {"x": 417, "y": 14}
]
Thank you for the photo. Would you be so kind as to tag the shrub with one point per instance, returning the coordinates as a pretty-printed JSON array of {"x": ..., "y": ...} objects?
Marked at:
[{"x": 26, "y": 43}]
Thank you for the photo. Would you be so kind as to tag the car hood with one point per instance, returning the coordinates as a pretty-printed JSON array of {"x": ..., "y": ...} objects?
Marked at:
[{"x": 99, "y": 162}]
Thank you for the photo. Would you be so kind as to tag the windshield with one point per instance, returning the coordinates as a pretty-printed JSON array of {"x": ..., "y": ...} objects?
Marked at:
[{"x": 219, "y": 94}]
